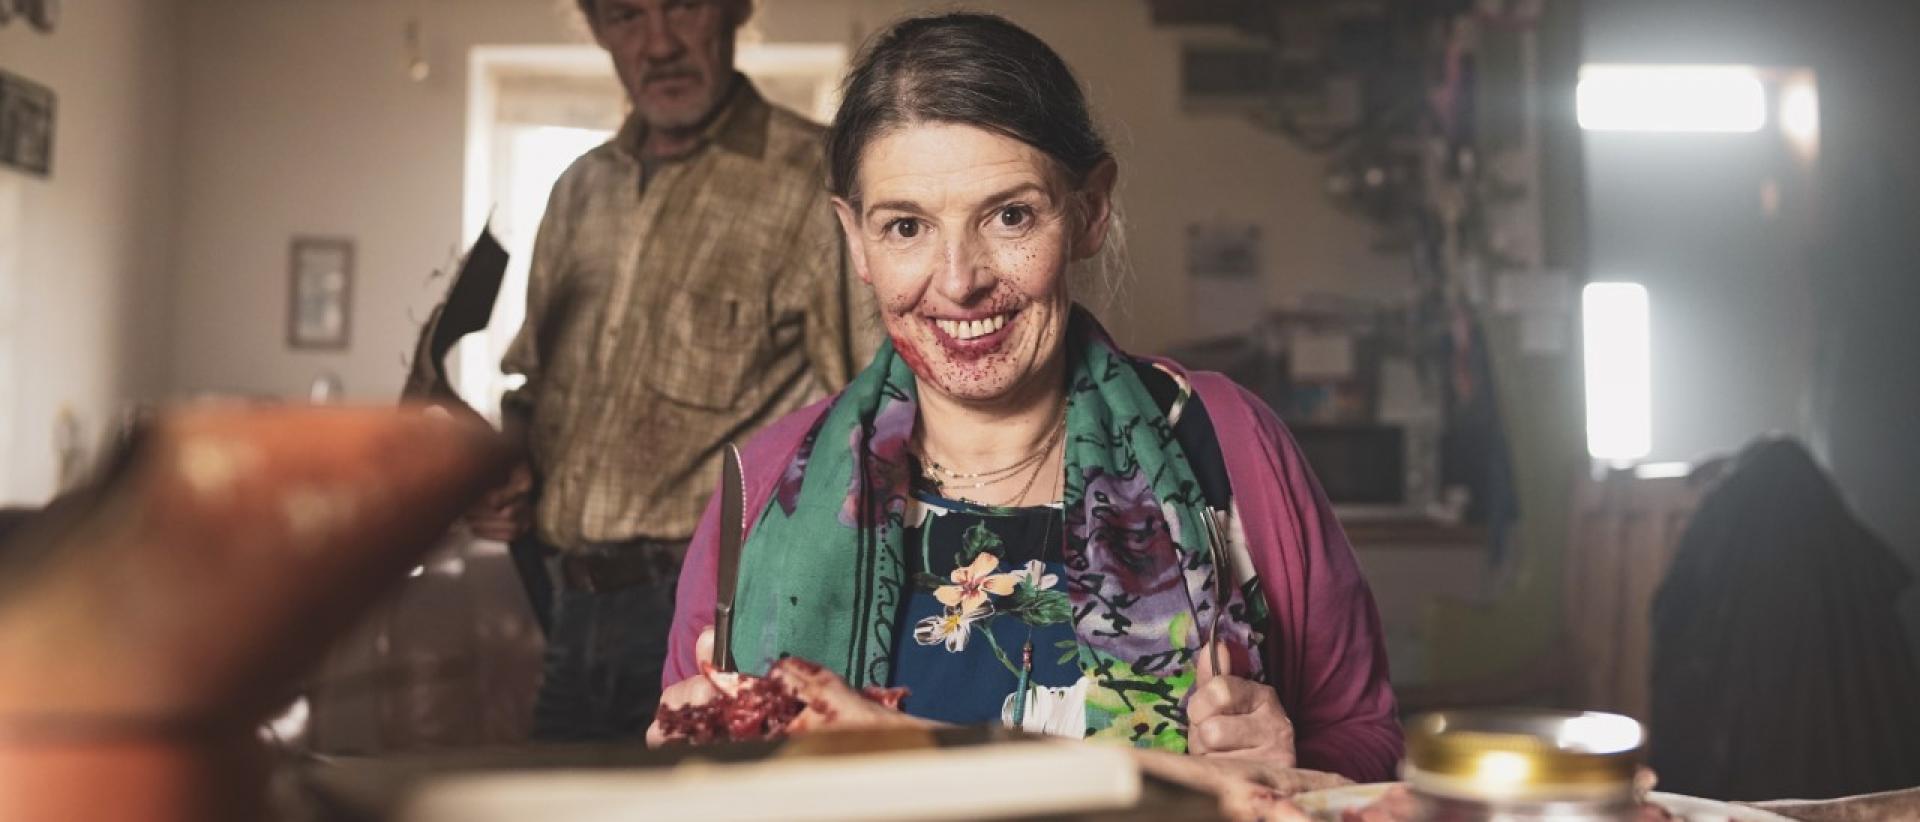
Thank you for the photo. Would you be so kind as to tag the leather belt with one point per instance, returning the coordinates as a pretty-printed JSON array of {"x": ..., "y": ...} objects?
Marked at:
[{"x": 617, "y": 568}]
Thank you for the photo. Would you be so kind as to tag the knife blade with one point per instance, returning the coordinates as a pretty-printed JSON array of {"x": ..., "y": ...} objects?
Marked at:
[{"x": 733, "y": 530}]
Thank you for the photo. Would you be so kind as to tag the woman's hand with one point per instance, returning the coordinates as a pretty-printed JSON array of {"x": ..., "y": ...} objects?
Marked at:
[
  {"x": 1396, "y": 805},
  {"x": 694, "y": 690},
  {"x": 1241, "y": 746},
  {"x": 1229, "y": 716},
  {"x": 1248, "y": 789},
  {"x": 829, "y": 701}
]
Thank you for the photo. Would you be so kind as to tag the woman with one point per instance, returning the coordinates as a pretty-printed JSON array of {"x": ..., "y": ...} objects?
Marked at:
[{"x": 1006, "y": 514}]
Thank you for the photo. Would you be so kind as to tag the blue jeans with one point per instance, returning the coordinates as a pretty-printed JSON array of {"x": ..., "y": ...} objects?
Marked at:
[{"x": 604, "y": 659}]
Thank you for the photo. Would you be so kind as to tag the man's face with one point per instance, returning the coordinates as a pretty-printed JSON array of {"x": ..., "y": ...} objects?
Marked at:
[{"x": 675, "y": 57}]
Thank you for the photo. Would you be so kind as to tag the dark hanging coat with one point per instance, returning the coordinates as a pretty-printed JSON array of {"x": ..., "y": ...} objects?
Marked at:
[{"x": 1779, "y": 666}]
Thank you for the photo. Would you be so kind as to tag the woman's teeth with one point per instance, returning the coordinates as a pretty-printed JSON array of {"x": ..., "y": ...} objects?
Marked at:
[{"x": 970, "y": 329}]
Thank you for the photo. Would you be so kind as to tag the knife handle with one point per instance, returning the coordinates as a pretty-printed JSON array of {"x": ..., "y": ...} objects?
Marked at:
[{"x": 723, "y": 637}]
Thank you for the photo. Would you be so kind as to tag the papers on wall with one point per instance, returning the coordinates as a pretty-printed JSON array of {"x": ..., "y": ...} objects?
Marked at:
[
  {"x": 1227, "y": 296},
  {"x": 1322, "y": 356},
  {"x": 1543, "y": 303}
]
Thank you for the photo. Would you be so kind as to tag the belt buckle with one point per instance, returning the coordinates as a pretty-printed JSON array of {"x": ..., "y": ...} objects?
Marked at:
[{"x": 580, "y": 573}]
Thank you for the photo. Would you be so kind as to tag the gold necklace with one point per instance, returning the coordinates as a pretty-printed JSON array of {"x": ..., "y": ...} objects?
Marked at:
[
  {"x": 946, "y": 479},
  {"x": 1031, "y": 479},
  {"x": 941, "y": 473}
]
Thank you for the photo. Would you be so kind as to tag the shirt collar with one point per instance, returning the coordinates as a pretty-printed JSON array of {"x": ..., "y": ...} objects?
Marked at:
[{"x": 739, "y": 127}]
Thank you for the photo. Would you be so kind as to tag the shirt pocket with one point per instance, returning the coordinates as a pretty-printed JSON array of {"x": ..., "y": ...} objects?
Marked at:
[{"x": 709, "y": 341}]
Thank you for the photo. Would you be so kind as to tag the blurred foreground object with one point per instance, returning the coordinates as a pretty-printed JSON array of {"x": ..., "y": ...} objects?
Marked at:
[
  {"x": 874, "y": 775},
  {"x": 866, "y": 773},
  {"x": 1524, "y": 764},
  {"x": 1517, "y": 764},
  {"x": 1779, "y": 667},
  {"x": 150, "y": 623}
]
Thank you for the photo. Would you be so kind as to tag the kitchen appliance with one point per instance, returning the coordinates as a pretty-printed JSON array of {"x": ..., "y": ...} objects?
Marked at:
[{"x": 1374, "y": 470}]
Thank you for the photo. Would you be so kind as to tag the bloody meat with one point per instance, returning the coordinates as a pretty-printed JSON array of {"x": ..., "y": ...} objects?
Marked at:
[{"x": 751, "y": 707}]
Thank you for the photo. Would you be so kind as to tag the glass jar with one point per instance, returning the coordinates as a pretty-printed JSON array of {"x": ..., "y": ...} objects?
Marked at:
[{"x": 1514, "y": 765}]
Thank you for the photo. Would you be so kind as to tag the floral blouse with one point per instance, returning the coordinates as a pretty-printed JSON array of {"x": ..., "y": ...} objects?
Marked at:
[
  {"x": 988, "y": 595},
  {"x": 988, "y": 584}
]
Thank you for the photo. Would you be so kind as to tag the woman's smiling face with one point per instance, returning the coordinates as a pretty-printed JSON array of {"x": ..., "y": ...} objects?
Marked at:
[{"x": 965, "y": 236}]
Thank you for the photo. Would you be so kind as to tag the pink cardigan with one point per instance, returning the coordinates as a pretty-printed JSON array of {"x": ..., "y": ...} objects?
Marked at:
[{"x": 1325, "y": 652}]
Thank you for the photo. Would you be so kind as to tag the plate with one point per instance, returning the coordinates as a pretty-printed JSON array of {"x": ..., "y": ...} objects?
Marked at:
[{"x": 1328, "y": 804}]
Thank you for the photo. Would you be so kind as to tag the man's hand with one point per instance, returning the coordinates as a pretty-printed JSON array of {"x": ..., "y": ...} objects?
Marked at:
[
  {"x": 506, "y": 512},
  {"x": 1230, "y": 716}
]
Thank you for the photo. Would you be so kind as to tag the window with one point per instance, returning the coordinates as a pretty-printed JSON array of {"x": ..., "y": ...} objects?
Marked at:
[
  {"x": 1671, "y": 98},
  {"x": 1619, "y": 344}
]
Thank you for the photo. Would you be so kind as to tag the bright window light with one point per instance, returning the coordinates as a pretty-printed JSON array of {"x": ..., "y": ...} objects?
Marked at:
[
  {"x": 1619, "y": 364},
  {"x": 1800, "y": 111},
  {"x": 1662, "y": 470},
  {"x": 1800, "y": 114},
  {"x": 1671, "y": 98}
]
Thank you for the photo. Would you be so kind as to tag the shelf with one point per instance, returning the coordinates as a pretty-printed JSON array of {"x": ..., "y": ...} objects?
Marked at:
[{"x": 1414, "y": 532}]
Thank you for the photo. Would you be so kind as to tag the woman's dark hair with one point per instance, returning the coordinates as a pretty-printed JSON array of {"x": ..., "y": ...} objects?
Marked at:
[{"x": 969, "y": 69}]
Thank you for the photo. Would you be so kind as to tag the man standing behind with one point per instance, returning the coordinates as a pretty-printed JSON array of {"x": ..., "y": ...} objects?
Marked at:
[{"x": 686, "y": 288}]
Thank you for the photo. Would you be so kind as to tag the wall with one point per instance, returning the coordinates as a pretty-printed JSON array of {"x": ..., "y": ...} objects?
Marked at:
[
  {"x": 300, "y": 118},
  {"x": 1870, "y": 389},
  {"x": 83, "y": 320},
  {"x": 1730, "y": 282},
  {"x": 1176, "y": 168},
  {"x": 1514, "y": 626}
]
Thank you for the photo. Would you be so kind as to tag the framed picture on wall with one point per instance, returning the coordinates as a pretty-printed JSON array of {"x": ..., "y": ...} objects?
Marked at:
[
  {"x": 26, "y": 124},
  {"x": 320, "y": 302}
]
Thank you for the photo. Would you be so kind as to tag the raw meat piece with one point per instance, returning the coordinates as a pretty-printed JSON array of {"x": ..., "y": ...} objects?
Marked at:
[{"x": 751, "y": 707}]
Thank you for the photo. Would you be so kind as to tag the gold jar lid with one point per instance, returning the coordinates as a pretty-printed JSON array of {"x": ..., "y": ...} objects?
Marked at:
[{"x": 1491, "y": 753}]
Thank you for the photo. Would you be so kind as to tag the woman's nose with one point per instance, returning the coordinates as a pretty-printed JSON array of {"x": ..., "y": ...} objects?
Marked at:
[{"x": 965, "y": 274}]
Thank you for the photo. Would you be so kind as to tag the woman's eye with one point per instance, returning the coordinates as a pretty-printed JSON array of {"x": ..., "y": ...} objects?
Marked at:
[
  {"x": 1014, "y": 216},
  {"x": 905, "y": 228}
]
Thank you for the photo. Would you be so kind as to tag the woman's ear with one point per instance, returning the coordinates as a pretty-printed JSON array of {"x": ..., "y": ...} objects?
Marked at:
[
  {"x": 1096, "y": 209},
  {"x": 850, "y": 229}
]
